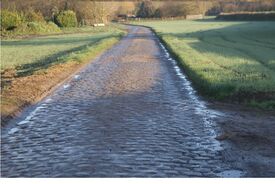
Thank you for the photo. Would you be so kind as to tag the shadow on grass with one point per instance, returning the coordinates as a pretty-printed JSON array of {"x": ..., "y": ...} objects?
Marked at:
[
  {"x": 30, "y": 68},
  {"x": 51, "y": 41},
  {"x": 242, "y": 41}
]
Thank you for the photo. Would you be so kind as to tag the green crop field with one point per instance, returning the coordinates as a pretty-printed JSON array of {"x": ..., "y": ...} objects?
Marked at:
[
  {"x": 27, "y": 54},
  {"x": 225, "y": 60}
]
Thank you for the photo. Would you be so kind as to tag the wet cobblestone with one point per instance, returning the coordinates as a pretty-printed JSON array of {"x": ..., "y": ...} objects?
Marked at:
[{"x": 128, "y": 114}]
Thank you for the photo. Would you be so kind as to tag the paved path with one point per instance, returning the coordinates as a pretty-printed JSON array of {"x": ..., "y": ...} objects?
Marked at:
[{"x": 130, "y": 113}]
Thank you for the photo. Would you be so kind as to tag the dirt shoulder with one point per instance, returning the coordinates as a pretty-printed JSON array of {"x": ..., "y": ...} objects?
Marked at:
[{"x": 250, "y": 136}]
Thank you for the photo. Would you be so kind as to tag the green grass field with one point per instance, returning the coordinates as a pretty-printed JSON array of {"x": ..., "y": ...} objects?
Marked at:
[
  {"x": 225, "y": 60},
  {"x": 27, "y": 55}
]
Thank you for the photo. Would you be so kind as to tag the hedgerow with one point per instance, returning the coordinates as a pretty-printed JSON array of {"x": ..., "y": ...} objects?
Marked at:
[{"x": 10, "y": 20}]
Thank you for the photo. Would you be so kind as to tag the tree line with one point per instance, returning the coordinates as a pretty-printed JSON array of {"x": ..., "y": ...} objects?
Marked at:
[
  {"x": 147, "y": 9},
  {"x": 70, "y": 13},
  {"x": 241, "y": 6}
]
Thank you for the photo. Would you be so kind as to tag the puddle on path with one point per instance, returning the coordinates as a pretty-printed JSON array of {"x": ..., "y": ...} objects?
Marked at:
[
  {"x": 13, "y": 130},
  {"x": 76, "y": 77},
  {"x": 66, "y": 86}
]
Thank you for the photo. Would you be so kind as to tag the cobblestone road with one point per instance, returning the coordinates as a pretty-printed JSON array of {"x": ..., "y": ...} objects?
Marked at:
[{"x": 130, "y": 113}]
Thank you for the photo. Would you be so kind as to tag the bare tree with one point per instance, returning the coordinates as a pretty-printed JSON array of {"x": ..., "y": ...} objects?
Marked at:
[{"x": 146, "y": 9}]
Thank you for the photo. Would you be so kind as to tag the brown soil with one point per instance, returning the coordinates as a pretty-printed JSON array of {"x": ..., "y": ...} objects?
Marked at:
[
  {"x": 250, "y": 136},
  {"x": 24, "y": 91}
]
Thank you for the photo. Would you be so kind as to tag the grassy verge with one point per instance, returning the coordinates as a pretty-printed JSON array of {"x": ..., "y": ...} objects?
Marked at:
[
  {"x": 30, "y": 68},
  {"x": 226, "y": 61}
]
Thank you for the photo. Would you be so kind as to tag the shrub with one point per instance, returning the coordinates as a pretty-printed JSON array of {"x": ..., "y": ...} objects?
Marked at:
[
  {"x": 28, "y": 28},
  {"x": 10, "y": 20},
  {"x": 37, "y": 28},
  {"x": 66, "y": 19},
  {"x": 52, "y": 27},
  {"x": 32, "y": 16}
]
